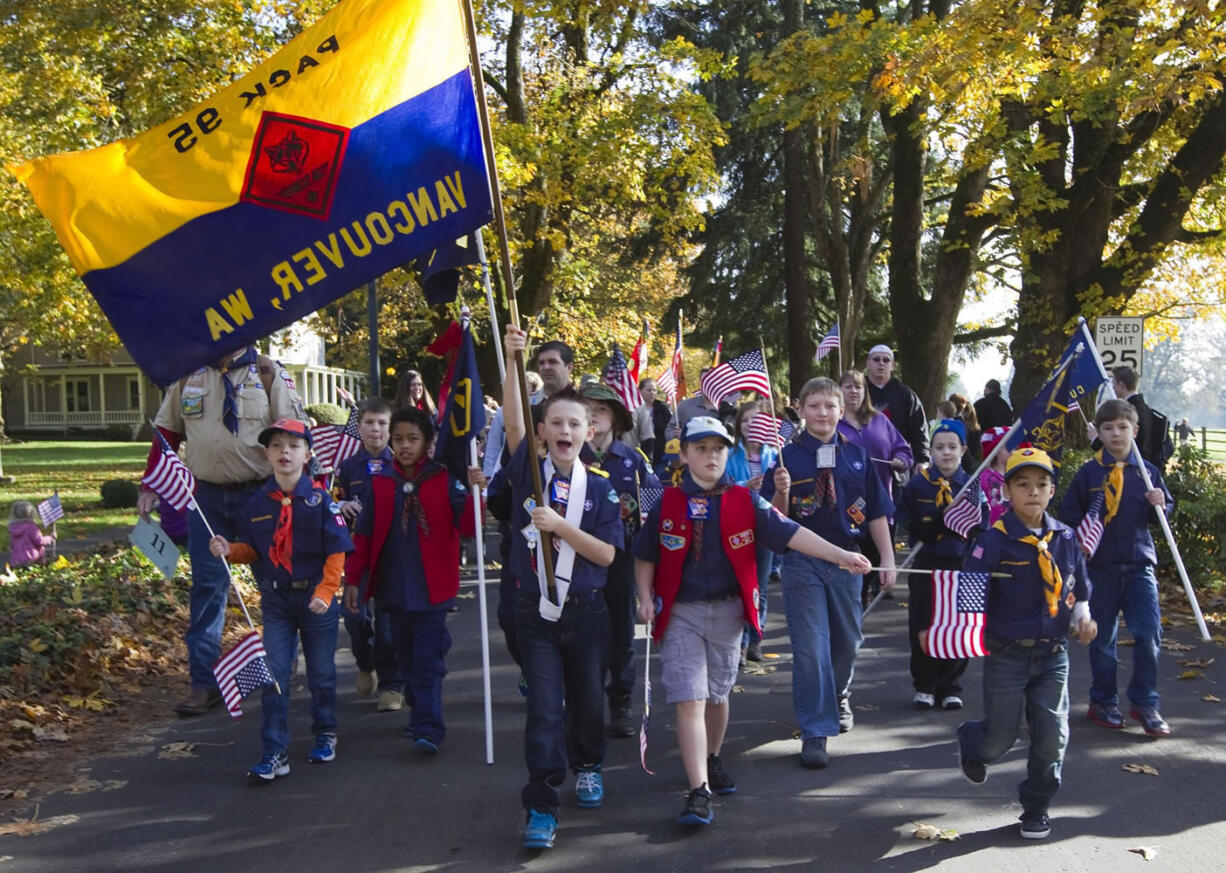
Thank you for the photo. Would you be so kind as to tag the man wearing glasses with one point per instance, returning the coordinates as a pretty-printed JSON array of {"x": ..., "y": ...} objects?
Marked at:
[{"x": 900, "y": 404}]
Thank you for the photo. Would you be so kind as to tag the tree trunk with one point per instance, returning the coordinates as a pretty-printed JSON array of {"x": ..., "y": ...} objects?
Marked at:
[{"x": 797, "y": 290}]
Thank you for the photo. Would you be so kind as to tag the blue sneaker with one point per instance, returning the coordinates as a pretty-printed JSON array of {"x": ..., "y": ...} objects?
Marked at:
[
  {"x": 540, "y": 830},
  {"x": 589, "y": 788},
  {"x": 324, "y": 749},
  {"x": 697, "y": 808},
  {"x": 269, "y": 768},
  {"x": 425, "y": 745}
]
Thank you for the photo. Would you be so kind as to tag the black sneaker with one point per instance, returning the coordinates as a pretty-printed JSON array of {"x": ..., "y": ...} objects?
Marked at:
[
  {"x": 621, "y": 722},
  {"x": 697, "y": 808},
  {"x": 719, "y": 780},
  {"x": 1035, "y": 825},
  {"x": 813, "y": 753},
  {"x": 975, "y": 773},
  {"x": 847, "y": 719}
]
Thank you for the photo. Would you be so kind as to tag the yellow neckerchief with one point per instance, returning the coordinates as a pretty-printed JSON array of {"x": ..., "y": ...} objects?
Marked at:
[
  {"x": 1113, "y": 485},
  {"x": 1052, "y": 582},
  {"x": 944, "y": 495}
]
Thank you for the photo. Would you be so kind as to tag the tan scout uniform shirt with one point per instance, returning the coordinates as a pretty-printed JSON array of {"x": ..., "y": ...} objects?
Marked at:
[{"x": 193, "y": 407}]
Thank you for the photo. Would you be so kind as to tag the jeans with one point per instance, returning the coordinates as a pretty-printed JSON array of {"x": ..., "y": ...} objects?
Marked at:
[
  {"x": 1034, "y": 681},
  {"x": 422, "y": 642},
  {"x": 822, "y": 605},
  {"x": 564, "y": 662},
  {"x": 286, "y": 617},
  {"x": 1132, "y": 589},
  {"x": 210, "y": 581},
  {"x": 619, "y": 596},
  {"x": 370, "y": 640},
  {"x": 765, "y": 558}
]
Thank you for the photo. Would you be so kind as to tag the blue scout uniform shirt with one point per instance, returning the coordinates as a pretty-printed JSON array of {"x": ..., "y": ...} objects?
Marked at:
[
  {"x": 601, "y": 518},
  {"x": 917, "y": 510},
  {"x": 1017, "y": 609},
  {"x": 353, "y": 474},
  {"x": 860, "y": 495},
  {"x": 1126, "y": 538},
  {"x": 402, "y": 578},
  {"x": 708, "y": 574},
  {"x": 628, "y": 470},
  {"x": 319, "y": 531}
]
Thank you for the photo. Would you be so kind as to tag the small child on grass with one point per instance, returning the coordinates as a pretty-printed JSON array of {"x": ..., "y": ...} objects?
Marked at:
[{"x": 27, "y": 542}]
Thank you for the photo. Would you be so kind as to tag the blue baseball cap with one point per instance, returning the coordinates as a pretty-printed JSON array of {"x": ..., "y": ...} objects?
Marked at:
[
  {"x": 951, "y": 425},
  {"x": 704, "y": 426}
]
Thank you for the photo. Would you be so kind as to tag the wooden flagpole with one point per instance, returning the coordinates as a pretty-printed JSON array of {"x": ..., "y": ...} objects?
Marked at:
[{"x": 508, "y": 280}]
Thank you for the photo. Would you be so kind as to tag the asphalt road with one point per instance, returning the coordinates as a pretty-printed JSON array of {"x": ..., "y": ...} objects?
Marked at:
[{"x": 158, "y": 804}]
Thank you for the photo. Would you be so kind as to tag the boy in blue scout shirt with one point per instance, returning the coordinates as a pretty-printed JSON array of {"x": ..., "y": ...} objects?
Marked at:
[
  {"x": 826, "y": 483},
  {"x": 296, "y": 539},
  {"x": 628, "y": 470},
  {"x": 562, "y": 634},
  {"x": 706, "y": 580},
  {"x": 1121, "y": 568},
  {"x": 921, "y": 509},
  {"x": 407, "y": 549},
  {"x": 370, "y": 631},
  {"x": 1029, "y": 615}
]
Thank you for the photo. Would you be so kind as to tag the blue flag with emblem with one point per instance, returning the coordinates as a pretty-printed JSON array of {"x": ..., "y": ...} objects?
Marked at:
[
  {"x": 464, "y": 413},
  {"x": 1076, "y": 375}
]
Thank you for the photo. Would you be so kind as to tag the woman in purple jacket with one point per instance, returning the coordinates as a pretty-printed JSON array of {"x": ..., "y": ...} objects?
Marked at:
[{"x": 888, "y": 451}]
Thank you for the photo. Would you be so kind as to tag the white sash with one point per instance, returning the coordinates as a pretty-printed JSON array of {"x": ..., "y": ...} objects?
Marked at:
[{"x": 565, "y": 563}]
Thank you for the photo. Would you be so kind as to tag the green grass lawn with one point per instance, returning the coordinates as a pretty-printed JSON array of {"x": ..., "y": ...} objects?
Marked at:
[{"x": 76, "y": 470}]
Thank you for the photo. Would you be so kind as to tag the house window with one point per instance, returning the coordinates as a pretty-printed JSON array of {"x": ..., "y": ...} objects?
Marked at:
[
  {"x": 134, "y": 393},
  {"x": 77, "y": 391}
]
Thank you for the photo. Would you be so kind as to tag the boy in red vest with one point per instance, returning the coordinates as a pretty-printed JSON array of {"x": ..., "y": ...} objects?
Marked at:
[
  {"x": 407, "y": 537},
  {"x": 697, "y": 554}
]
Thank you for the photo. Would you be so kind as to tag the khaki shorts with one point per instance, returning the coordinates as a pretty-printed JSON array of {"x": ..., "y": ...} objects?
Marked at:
[{"x": 701, "y": 650}]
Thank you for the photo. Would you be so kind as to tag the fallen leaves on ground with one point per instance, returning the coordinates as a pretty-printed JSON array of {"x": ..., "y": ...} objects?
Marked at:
[
  {"x": 1191, "y": 674},
  {"x": 932, "y": 832},
  {"x": 1146, "y": 852},
  {"x": 1197, "y": 662},
  {"x": 754, "y": 669},
  {"x": 177, "y": 750},
  {"x": 1147, "y": 769},
  {"x": 28, "y": 827},
  {"x": 1172, "y": 646},
  {"x": 1211, "y": 698}
]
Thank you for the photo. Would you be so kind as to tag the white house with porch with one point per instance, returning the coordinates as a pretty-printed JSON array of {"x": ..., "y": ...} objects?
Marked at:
[{"x": 49, "y": 393}]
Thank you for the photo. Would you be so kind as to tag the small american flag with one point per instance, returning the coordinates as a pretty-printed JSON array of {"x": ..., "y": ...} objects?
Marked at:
[
  {"x": 764, "y": 428},
  {"x": 787, "y": 430},
  {"x": 1090, "y": 531},
  {"x": 170, "y": 479},
  {"x": 829, "y": 343},
  {"x": 649, "y": 498},
  {"x": 745, "y": 372},
  {"x": 966, "y": 513},
  {"x": 617, "y": 376},
  {"x": 242, "y": 670},
  {"x": 959, "y": 603},
  {"x": 50, "y": 511},
  {"x": 332, "y": 443},
  {"x": 667, "y": 385}
]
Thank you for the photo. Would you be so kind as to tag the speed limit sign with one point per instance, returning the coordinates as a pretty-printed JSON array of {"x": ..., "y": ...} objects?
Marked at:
[{"x": 1120, "y": 341}]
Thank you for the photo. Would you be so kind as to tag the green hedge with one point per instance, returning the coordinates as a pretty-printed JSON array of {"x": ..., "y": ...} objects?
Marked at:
[{"x": 327, "y": 413}]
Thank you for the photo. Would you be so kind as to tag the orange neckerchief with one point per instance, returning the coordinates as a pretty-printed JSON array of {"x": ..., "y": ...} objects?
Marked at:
[{"x": 281, "y": 553}]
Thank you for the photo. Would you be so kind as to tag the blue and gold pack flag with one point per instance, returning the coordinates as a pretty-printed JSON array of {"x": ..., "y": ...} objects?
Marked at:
[
  {"x": 351, "y": 151},
  {"x": 464, "y": 412},
  {"x": 1077, "y": 375}
]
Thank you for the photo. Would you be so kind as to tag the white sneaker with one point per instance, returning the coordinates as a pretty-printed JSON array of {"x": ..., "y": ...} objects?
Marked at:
[
  {"x": 390, "y": 701},
  {"x": 365, "y": 683},
  {"x": 951, "y": 701},
  {"x": 924, "y": 700}
]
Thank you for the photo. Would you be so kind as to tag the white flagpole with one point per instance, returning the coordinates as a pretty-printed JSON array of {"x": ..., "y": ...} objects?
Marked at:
[
  {"x": 489, "y": 299},
  {"x": 1109, "y": 391},
  {"x": 484, "y": 613}
]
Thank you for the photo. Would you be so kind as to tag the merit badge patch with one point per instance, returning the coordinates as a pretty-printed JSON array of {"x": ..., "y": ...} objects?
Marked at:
[
  {"x": 529, "y": 504},
  {"x": 374, "y": 466},
  {"x": 667, "y": 524},
  {"x": 560, "y": 490},
  {"x": 856, "y": 511},
  {"x": 1070, "y": 600},
  {"x": 672, "y": 542},
  {"x": 294, "y": 164},
  {"x": 740, "y": 540},
  {"x": 314, "y": 498},
  {"x": 587, "y": 504},
  {"x": 977, "y": 552}
]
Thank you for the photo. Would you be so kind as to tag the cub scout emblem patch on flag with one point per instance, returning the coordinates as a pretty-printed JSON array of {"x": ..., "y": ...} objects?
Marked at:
[
  {"x": 740, "y": 540},
  {"x": 294, "y": 164},
  {"x": 672, "y": 542}
]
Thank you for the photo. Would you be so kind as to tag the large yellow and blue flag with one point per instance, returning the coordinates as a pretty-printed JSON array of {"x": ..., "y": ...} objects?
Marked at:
[{"x": 351, "y": 151}]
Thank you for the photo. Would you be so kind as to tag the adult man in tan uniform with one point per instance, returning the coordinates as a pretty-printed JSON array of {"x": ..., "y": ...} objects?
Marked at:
[{"x": 220, "y": 411}]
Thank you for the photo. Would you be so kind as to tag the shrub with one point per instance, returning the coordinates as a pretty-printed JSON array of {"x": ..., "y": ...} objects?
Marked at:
[
  {"x": 1198, "y": 485},
  {"x": 120, "y": 493},
  {"x": 328, "y": 413}
]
